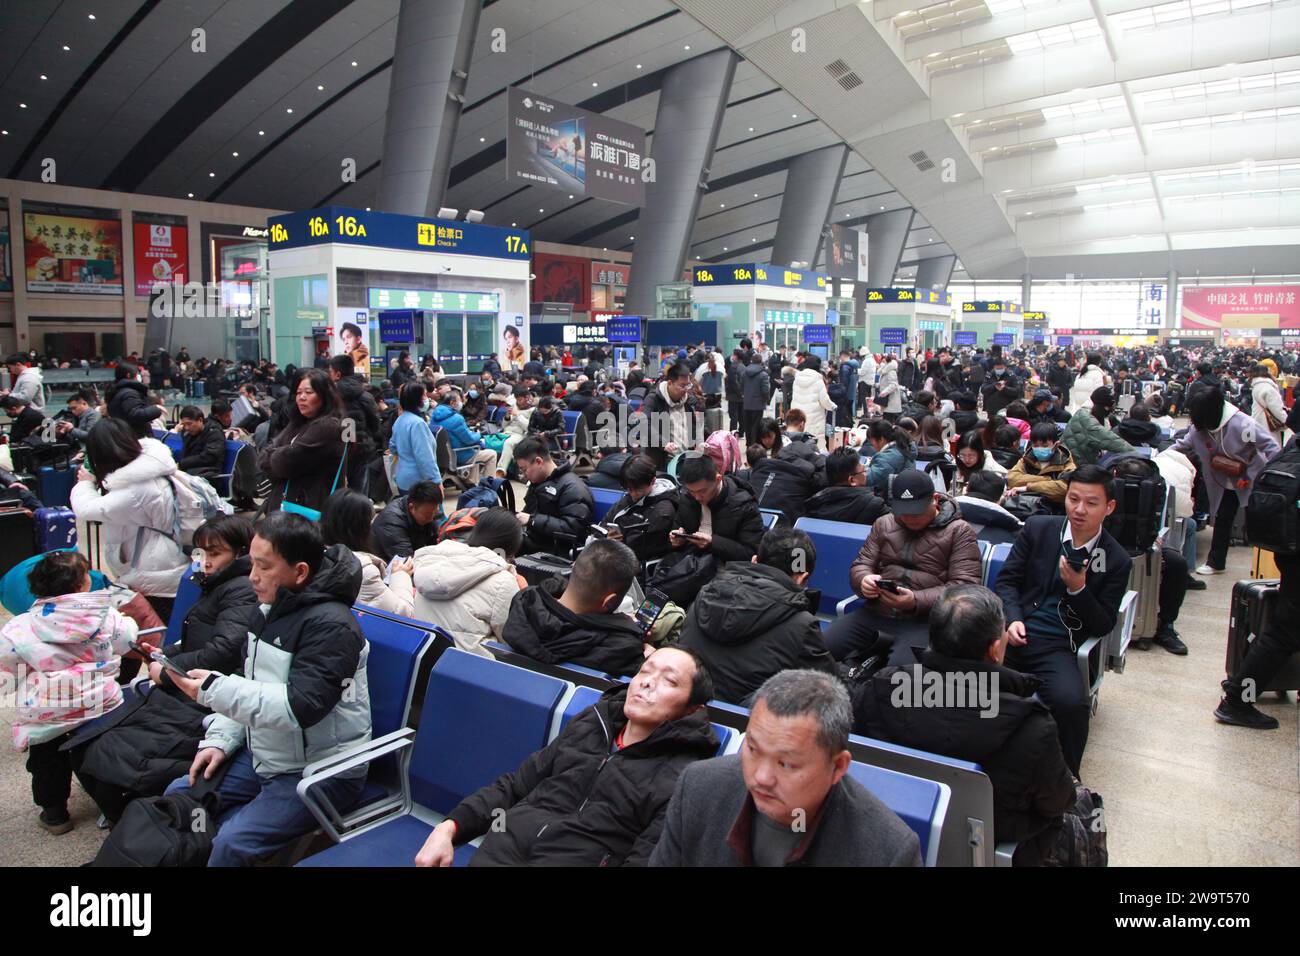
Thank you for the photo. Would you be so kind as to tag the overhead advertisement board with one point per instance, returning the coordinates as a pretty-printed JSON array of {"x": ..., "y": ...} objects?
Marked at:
[
  {"x": 162, "y": 255},
  {"x": 434, "y": 300},
  {"x": 72, "y": 254},
  {"x": 549, "y": 143},
  {"x": 841, "y": 258},
  {"x": 1241, "y": 307}
]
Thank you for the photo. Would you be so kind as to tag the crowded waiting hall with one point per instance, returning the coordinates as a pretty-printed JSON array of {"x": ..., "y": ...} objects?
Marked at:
[{"x": 401, "y": 468}]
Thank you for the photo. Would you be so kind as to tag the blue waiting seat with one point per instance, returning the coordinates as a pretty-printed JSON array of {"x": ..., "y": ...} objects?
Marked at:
[
  {"x": 233, "y": 450},
  {"x": 604, "y": 499},
  {"x": 481, "y": 718},
  {"x": 992, "y": 563},
  {"x": 174, "y": 443},
  {"x": 187, "y": 592},
  {"x": 770, "y": 518},
  {"x": 837, "y": 544},
  {"x": 921, "y": 804}
]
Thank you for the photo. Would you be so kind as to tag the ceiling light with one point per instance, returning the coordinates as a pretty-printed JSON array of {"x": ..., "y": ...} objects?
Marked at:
[
  {"x": 90, "y": 16},
  {"x": 212, "y": 175},
  {"x": 594, "y": 83},
  {"x": 1006, "y": 190},
  {"x": 638, "y": 66},
  {"x": 687, "y": 47},
  {"x": 234, "y": 154},
  {"x": 354, "y": 62},
  {"x": 22, "y": 106},
  {"x": 753, "y": 239},
  {"x": 4, "y": 132},
  {"x": 514, "y": 224},
  {"x": 755, "y": 195},
  {"x": 751, "y": 129},
  {"x": 723, "y": 205},
  {"x": 66, "y": 48},
  {"x": 44, "y": 77},
  {"x": 633, "y": 238},
  {"x": 724, "y": 248},
  {"x": 191, "y": 195},
  {"x": 794, "y": 116},
  {"x": 261, "y": 132},
  {"x": 958, "y": 115},
  {"x": 367, "y": 209},
  {"x": 319, "y": 87},
  {"x": 1030, "y": 213},
  {"x": 541, "y": 210},
  {"x": 882, "y": 207},
  {"x": 482, "y": 139},
  {"x": 288, "y": 109}
]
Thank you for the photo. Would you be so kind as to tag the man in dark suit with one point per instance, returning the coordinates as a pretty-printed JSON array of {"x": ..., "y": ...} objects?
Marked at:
[{"x": 1062, "y": 584}]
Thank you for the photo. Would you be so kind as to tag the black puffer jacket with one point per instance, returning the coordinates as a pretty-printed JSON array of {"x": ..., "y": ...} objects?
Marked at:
[
  {"x": 394, "y": 532},
  {"x": 1138, "y": 433},
  {"x": 306, "y": 454},
  {"x": 646, "y": 523},
  {"x": 1018, "y": 748},
  {"x": 737, "y": 523},
  {"x": 204, "y": 452},
  {"x": 846, "y": 503},
  {"x": 226, "y": 611},
  {"x": 562, "y": 510},
  {"x": 751, "y": 622},
  {"x": 540, "y": 627},
  {"x": 359, "y": 405},
  {"x": 129, "y": 401},
  {"x": 784, "y": 484},
  {"x": 579, "y": 802}
]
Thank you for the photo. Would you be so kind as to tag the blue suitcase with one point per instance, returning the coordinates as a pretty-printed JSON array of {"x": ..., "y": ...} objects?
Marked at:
[
  {"x": 200, "y": 388},
  {"x": 54, "y": 486},
  {"x": 56, "y": 529}
]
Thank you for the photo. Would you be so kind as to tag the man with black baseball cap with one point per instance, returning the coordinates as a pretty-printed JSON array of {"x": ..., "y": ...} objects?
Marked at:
[{"x": 910, "y": 556}]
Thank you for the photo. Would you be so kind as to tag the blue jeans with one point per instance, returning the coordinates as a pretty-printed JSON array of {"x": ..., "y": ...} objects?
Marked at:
[{"x": 260, "y": 815}]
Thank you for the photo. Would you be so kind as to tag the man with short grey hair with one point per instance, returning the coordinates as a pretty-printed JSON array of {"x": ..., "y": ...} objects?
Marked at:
[{"x": 785, "y": 799}]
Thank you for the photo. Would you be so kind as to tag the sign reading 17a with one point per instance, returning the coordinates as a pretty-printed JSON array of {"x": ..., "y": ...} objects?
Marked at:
[
  {"x": 516, "y": 244},
  {"x": 347, "y": 226}
]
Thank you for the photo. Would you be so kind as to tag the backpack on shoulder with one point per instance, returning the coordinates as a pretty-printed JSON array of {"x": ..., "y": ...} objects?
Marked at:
[
  {"x": 196, "y": 502},
  {"x": 1140, "y": 492},
  {"x": 1273, "y": 511}
]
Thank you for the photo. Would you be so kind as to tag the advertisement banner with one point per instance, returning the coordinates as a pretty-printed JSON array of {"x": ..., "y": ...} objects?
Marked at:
[
  {"x": 1241, "y": 307},
  {"x": 352, "y": 337},
  {"x": 6, "y": 264},
  {"x": 562, "y": 279},
  {"x": 436, "y": 300},
  {"x": 161, "y": 255},
  {"x": 606, "y": 273},
  {"x": 72, "y": 254},
  {"x": 549, "y": 143},
  {"x": 842, "y": 253},
  {"x": 513, "y": 352}
]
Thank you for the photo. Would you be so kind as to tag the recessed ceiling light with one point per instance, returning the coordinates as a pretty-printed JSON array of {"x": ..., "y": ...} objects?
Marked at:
[
  {"x": 638, "y": 66},
  {"x": 882, "y": 207},
  {"x": 723, "y": 205},
  {"x": 751, "y": 129},
  {"x": 288, "y": 109},
  {"x": 212, "y": 175},
  {"x": 514, "y": 224},
  {"x": 929, "y": 240},
  {"x": 482, "y": 139},
  {"x": 687, "y": 47},
  {"x": 604, "y": 248},
  {"x": 958, "y": 115},
  {"x": 794, "y": 116},
  {"x": 90, "y": 16},
  {"x": 933, "y": 54},
  {"x": 1030, "y": 213},
  {"x": 724, "y": 248},
  {"x": 22, "y": 106},
  {"x": 66, "y": 48},
  {"x": 354, "y": 62},
  {"x": 44, "y": 77},
  {"x": 4, "y": 132},
  {"x": 847, "y": 214},
  {"x": 755, "y": 195},
  {"x": 594, "y": 83},
  {"x": 319, "y": 87},
  {"x": 367, "y": 209},
  {"x": 541, "y": 210},
  {"x": 570, "y": 195},
  {"x": 191, "y": 195},
  {"x": 261, "y": 132}
]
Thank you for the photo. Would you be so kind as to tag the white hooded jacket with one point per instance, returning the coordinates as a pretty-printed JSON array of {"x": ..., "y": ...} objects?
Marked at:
[
  {"x": 1089, "y": 380},
  {"x": 466, "y": 591},
  {"x": 138, "y": 510},
  {"x": 808, "y": 394},
  {"x": 396, "y": 596}
]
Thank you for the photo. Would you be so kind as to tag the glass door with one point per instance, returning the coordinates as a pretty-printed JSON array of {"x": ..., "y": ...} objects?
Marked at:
[
  {"x": 451, "y": 342},
  {"x": 480, "y": 339}
]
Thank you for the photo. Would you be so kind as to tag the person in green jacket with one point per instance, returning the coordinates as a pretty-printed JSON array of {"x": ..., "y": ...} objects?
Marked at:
[{"x": 1087, "y": 436}]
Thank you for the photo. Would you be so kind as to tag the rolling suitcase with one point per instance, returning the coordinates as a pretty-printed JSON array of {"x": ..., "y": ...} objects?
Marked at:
[
  {"x": 54, "y": 485},
  {"x": 537, "y": 568},
  {"x": 1263, "y": 564},
  {"x": 1253, "y": 605},
  {"x": 17, "y": 537},
  {"x": 56, "y": 529},
  {"x": 1148, "y": 569}
]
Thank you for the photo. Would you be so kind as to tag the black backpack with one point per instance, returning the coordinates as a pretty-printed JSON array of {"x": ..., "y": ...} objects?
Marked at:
[
  {"x": 1273, "y": 511},
  {"x": 783, "y": 486},
  {"x": 1139, "y": 502},
  {"x": 172, "y": 830}
]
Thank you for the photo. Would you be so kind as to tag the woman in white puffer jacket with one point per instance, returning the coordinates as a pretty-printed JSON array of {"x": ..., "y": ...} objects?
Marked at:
[
  {"x": 465, "y": 587},
  {"x": 126, "y": 486},
  {"x": 1089, "y": 380},
  {"x": 809, "y": 395},
  {"x": 346, "y": 520}
]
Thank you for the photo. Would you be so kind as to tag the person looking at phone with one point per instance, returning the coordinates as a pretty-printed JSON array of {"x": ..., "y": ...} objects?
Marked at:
[
  {"x": 645, "y": 514},
  {"x": 597, "y": 794},
  {"x": 1061, "y": 584},
  {"x": 293, "y": 693},
  {"x": 910, "y": 556},
  {"x": 716, "y": 514},
  {"x": 63, "y": 656},
  {"x": 558, "y": 508},
  {"x": 755, "y": 619}
]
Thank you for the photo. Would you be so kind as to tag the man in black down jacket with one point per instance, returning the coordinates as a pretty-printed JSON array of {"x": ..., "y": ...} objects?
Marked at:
[
  {"x": 847, "y": 498},
  {"x": 964, "y": 416},
  {"x": 409, "y": 523},
  {"x": 358, "y": 405},
  {"x": 203, "y": 444},
  {"x": 734, "y": 527},
  {"x": 128, "y": 400},
  {"x": 558, "y": 508},
  {"x": 754, "y": 620},
  {"x": 596, "y": 795},
  {"x": 647, "y": 512},
  {"x": 580, "y": 624},
  {"x": 996, "y": 719}
]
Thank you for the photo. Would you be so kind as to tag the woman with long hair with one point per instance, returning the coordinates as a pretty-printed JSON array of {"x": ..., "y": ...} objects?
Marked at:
[
  {"x": 304, "y": 461},
  {"x": 346, "y": 520},
  {"x": 412, "y": 441},
  {"x": 894, "y": 453}
]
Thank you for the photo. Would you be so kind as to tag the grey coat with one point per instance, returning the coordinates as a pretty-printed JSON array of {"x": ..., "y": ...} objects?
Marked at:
[
  {"x": 887, "y": 391},
  {"x": 853, "y": 828},
  {"x": 1234, "y": 438}
]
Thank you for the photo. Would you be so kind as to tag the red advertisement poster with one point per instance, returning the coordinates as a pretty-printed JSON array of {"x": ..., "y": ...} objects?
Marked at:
[
  {"x": 1241, "y": 307},
  {"x": 161, "y": 255},
  {"x": 562, "y": 279}
]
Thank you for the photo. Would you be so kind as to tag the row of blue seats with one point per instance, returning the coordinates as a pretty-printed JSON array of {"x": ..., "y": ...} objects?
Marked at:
[
  {"x": 234, "y": 449},
  {"x": 480, "y": 718}
]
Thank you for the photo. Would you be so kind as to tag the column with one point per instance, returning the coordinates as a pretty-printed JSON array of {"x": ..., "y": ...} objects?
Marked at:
[
  {"x": 1026, "y": 287},
  {"x": 435, "y": 43},
  {"x": 935, "y": 273},
  {"x": 1173, "y": 316},
  {"x": 811, "y": 183},
  {"x": 886, "y": 237},
  {"x": 691, "y": 103}
]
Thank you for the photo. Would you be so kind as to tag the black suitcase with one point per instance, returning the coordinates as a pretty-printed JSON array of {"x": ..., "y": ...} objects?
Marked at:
[
  {"x": 1253, "y": 604},
  {"x": 17, "y": 537},
  {"x": 537, "y": 568}
]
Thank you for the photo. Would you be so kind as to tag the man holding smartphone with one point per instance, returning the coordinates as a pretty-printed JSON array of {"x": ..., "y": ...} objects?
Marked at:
[{"x": 1063, "y": 583}]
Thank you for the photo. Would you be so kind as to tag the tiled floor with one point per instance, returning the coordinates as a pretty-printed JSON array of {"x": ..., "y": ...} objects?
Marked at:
[{"x": 1180, "y": 789}]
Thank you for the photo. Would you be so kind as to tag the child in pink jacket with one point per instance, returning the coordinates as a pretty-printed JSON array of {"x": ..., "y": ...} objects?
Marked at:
[{"x": 62, "y": 657}]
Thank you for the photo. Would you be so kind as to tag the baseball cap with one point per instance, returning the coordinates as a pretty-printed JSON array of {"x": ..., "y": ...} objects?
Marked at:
[{"x": 911, "y": 492}]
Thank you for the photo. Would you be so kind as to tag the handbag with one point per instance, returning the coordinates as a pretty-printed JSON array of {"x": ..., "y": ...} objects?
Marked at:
[
  {"x": 682, "y": 576},
  {"x": 1228, "y": 466},
  {"x": 311, "y": 514}
]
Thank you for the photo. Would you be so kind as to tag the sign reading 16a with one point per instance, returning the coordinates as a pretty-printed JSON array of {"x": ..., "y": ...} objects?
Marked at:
[{"x": 279, "y": 233}]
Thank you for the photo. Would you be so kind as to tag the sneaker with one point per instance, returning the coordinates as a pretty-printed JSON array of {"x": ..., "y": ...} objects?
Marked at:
[
  {"x": 58, "y": 823},
  {"x": 1206, "y": 570},
  {"x": 1241, "y": 714},
  {"x": 1194, "y": 584},
  {"x": 1168, "y": 638}
]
